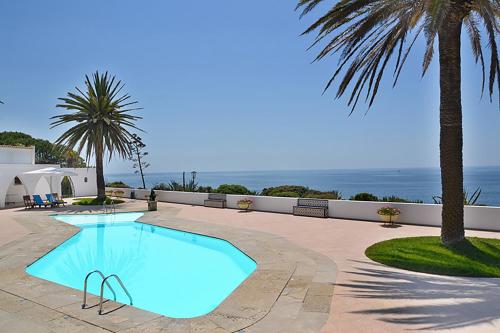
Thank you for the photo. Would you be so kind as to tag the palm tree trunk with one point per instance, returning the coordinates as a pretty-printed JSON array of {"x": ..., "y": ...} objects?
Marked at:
[
  {"x": 101, "y": 186},
  {"x": 451, "y": 140}
]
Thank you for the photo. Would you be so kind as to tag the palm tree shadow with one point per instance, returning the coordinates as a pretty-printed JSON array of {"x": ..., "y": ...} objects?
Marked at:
[{"x": 452, "y": 302}]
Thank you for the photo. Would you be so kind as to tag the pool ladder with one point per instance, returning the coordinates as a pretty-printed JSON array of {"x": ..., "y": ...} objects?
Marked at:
[
  {"x": 101, "y": 295},
  {"x": 112, "y": 209}
]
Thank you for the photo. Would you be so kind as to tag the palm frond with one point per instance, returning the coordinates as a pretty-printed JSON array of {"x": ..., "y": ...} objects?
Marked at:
[
  {"x": 101, "y": 117},
  {"x": 367, "y": 34}
]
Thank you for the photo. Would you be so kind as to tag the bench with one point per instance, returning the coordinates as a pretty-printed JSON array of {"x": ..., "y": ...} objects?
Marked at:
[
  {"x": 217, "y": 200},
  {"x": 311, "y": 207}
]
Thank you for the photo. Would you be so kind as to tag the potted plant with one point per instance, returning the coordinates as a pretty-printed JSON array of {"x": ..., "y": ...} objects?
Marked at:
[
  {"x": 152, "y": 203},
  {"x": 389, "y": 214},
  {"x": 245, "y": 204}
]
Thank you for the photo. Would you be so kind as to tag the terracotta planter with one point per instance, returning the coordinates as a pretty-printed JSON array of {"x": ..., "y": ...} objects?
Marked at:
[
  {"x": 244, "y": 205},
  {"x": 152, "y": 205},
  {"x": 389, "y": 218}
]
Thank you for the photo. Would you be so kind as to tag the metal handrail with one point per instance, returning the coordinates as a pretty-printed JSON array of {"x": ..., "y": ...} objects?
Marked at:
[
  {"x": 105, "y": 207},
  {"x": 102, "y": 290},
  {"x": 85, "y": 287}
]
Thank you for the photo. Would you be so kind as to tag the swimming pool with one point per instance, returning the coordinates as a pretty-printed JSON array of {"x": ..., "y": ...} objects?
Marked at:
[{"x": 169, "y": 272}]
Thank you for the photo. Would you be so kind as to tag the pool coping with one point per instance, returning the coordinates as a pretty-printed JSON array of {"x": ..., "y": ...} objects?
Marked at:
[{"x": 291, "y": 287}]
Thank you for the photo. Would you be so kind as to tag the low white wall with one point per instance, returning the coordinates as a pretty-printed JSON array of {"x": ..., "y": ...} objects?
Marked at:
[{"x": 476, "y": 217}]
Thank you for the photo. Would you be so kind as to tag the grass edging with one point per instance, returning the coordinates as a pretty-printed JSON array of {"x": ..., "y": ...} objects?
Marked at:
[
  {"x": 474, "y": 257},
  {"x": 95, "y": 202}
]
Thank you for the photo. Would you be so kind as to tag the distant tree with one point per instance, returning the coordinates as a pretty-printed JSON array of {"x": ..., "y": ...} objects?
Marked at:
[
  {"x": 101, "y": 121},
  {"x": 137, "y": 156},
  {"x": 364, "y": 196}
]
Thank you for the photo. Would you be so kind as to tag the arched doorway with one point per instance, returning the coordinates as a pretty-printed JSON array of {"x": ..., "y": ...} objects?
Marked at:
[
  {"x": 15, "y": 192},
  {"x": 67, "y": 188}
]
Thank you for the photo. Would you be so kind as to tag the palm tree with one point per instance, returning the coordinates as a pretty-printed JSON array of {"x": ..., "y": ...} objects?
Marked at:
[
  {"x": 368, "y": 33},
  {"x": 102, "y": 122}
]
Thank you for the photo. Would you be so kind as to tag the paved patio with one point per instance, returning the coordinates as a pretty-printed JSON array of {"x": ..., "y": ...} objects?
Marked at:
[{"x": 367, "y": 297}]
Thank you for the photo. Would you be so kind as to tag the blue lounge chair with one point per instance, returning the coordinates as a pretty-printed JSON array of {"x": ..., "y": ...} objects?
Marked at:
[
  {"x": 53, "y": 201},
  {"x": 40, "y": 202}
]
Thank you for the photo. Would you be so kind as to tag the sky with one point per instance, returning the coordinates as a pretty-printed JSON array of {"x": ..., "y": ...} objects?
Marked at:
[{"x": 227, "y": 86}]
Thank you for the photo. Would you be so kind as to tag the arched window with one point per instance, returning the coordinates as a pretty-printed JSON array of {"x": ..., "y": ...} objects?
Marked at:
[{"x": 85, "y": 179}]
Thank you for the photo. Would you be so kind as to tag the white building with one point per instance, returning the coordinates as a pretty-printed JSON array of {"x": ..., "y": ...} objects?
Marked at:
[{"x": 18, "y": 177}]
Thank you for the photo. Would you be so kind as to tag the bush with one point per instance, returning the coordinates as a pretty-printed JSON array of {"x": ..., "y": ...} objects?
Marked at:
[
  {"x": 332, "y": 195},
  {"x": 363, "y": 196},
  {"x": 393, "y": 198},
  {"x": 233, "y": 189},
  {"x": 274, "y": 191},
  {"x": 286, "y": 194},
  {"x": 205, "y": 189},
  {"x": 95, "y": 201},
  {"x": 161, "y": 187},
  {"x": 118, "y": 184},
  {"x": 297, "y": 191}
]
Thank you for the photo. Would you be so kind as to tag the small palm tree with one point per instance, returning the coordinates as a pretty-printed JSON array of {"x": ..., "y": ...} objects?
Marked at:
[
  {"x": 368, "y": 33},
  {"x": 102, "y": 122}
]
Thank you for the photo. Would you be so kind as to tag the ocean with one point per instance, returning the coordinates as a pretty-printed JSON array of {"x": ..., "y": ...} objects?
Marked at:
[{"x": 413, "y": 184}]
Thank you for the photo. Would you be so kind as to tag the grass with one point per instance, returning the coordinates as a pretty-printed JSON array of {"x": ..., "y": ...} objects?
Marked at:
[
  {"x": 475, "y": 257},
  {"x": 95, "y": 202}
]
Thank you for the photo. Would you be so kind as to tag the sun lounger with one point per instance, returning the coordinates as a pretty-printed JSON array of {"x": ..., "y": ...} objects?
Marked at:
[
  {"x": 28, "y": 203},
  {"x": 40, "y": 202},
  {"x": 58, "y": 199},
  {"x": 52, "y": 200}
]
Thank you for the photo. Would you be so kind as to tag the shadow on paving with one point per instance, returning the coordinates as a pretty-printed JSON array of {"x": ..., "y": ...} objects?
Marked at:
[
  {"x": 454, "y": 302},
  {"x": 69, "y": 209}
]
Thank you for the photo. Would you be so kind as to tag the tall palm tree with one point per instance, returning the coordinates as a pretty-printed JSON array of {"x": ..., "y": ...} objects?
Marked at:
[
  {"x": 368, "y": 33},
  {"x": 102, "y": 120}
]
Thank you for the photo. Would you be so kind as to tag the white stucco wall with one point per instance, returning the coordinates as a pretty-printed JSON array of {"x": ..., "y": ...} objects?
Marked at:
[
  {"x": 17, "y": 155},
  {"x": 476, "y": 217},
  {"x": 85, "y": 184}
]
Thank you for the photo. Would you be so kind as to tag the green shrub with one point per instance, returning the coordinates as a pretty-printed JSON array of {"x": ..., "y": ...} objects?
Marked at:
[
  {"x": 205, "y": 189},
  {"x": 332, "y": 195},
  {"x": 162, "y": 187},
  {"x": 233, "y": 189},
  {"x": 363, "y": 196},
  {"x": 118, "y": 184},
  {"x": 274, "y": 191},
  {"x": 393, "y": 198},
  {"x": 95, "y": 201},
  {"x": 322, "y": 195},
  {"x": 286, "y": 194}
]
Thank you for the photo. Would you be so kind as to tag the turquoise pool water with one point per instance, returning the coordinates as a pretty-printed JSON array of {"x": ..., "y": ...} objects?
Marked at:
[{"x": 173, "y": 273}]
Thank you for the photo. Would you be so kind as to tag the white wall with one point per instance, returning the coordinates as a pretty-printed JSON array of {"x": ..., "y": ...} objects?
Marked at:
[
  {"x": 476, "y": 217},
  {"x": 17, "y": 155},
  {"x": 85, "y": 183}
]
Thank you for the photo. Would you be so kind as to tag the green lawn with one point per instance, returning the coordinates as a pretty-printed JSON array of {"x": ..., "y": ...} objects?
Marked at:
[
  {"x": 479, "y": 257},
  {"x": 94, "y": 201}
]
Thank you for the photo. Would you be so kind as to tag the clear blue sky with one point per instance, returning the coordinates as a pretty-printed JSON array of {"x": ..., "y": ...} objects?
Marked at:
[{"x": 225, "y": 85}]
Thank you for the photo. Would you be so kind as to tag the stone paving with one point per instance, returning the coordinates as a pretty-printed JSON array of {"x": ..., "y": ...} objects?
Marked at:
[
  {"x": 290, "y": 291},
  {"x": 309, "y": 258}
]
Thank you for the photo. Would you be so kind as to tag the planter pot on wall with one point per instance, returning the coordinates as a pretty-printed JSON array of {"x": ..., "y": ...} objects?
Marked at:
[
  {"x": 152, "y": 205},
  {"x": 244, "y": 205}
]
